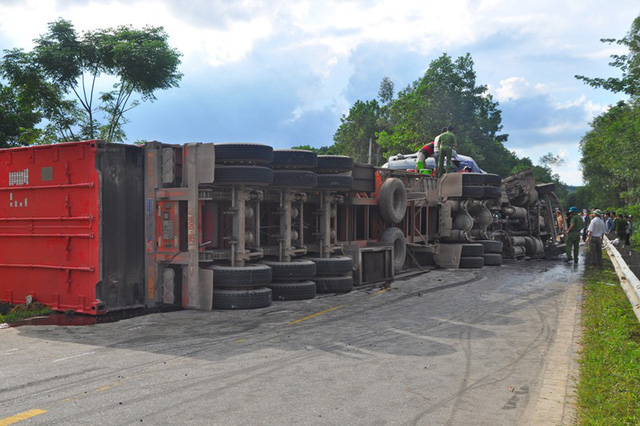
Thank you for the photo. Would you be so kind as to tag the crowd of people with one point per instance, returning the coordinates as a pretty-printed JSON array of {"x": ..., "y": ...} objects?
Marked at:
[{"x": 589, "y": 228}]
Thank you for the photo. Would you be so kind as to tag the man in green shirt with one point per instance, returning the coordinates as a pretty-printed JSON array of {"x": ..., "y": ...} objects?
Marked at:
[
  {"x": 620, "y": 228},
  {"x": 573, "y": 238},
  {"x": 447, "y": 142}
]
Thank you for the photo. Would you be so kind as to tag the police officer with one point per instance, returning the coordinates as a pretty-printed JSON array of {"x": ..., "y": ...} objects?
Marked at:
[
  {"x": 573, "y": 238},
  {"x": 448, "y": 142}
]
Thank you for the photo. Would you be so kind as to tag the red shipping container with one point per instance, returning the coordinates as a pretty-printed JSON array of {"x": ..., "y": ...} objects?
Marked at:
[{"x": 71, "y": 226}]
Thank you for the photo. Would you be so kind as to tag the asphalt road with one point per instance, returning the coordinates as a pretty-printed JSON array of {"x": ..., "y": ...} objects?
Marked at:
[{"x": 483, "y": 347}]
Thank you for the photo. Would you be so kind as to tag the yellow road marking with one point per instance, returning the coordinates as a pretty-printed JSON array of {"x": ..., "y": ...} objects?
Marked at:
[
  {"x": 19, "y": 417},
  {"x": 381, "y": 291},
  {"x": 315, "y": 315}
]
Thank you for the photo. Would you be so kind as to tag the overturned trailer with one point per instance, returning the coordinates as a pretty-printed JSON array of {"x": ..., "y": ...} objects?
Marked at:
[{"x": 95, "y": 227}]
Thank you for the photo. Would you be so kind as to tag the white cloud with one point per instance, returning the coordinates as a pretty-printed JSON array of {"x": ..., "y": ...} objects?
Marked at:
[{"x": 515, "y": 88}]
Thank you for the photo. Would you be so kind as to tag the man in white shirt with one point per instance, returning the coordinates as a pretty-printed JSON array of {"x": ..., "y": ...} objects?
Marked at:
[{"x": 594, "y": 238}]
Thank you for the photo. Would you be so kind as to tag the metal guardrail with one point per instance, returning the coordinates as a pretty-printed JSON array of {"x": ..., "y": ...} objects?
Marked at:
[{"x": 628, "y": 280}]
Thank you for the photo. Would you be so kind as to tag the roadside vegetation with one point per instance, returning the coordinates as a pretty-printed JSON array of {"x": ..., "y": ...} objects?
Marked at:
[
  {"x": 609, "y": 387},
  {"x": 19, "y": 312}
]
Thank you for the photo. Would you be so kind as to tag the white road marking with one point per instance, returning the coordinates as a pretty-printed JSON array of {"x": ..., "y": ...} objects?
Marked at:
[{"x": 73, "y": 356}]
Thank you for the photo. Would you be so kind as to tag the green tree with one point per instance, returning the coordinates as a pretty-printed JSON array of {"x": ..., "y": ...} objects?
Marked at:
[
  {"x": 628, "y": 63},
  {"x": 18, "y": 118},
  {"x": 323, "y": 150},
  {"x": 358, "y": 130},
  {"x": 65, "y": 64},
  {"x": 611, "y": 154}
]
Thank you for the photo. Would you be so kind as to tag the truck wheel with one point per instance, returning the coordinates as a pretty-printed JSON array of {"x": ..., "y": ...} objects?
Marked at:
[
  {"x": 471, "y": 262},
  {"x": 473, "y": 191},
  {"x": 335, "y": 182},
  {"x": 242, "y": 299},
  {"x": 492, "y": 259},
  {"x": 472, "y": 250},
  {"x": 334, "y": 284},
  {"x": 294, "y": 179},
  {"x": 240, "y": 277},
  {"x": 490, "y": 246},
  {"x": 334, "y": 164},
  {"x": 472, "y": 179},
  {"x": 243, "y": 153},
  {"x": 293, "y": 291},
  {"x": 396, "y": 237},
  {"x": 393, "y": 200},
  {"x": 243, "y": 175},
  {"x": 296, "y": 270},
  {"x": 492, "y": 192},
  {"x": 330, "y": 266},
  {"x": 492, "y": 179},
  {"x": 294, "y": 159}
]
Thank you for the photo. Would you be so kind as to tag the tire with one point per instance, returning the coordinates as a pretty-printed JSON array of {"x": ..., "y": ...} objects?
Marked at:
[
  {"x": 240, "y": 277},
  {"x": 294, "y": 159},
  {"x": 472, "y": 250},
  {"x": 492, "y": 192},
  {"x": 492, "y": 259},
  {"x": 545, "y": 188},
  {"x": 492, "y": 179},
  {"x": 339, "y": 265},
  {"x": 334, "y": 284},
  {"x": 294, "y": 179},
  {"x": 393, "y": 200},
  {"x": 243, "y": 175},
  {"x": 490, "y": 246},
  {"x": 293, "y": 291},
  {"x": 396, "y": 237},
  {"x": 334, "y": 164},
  {"x": 296, "y": 270},
  {"x": 243, "y": 153},
  {"x": 471, "y": 262},
  {"x": 472, "y": 179},
  {"x": 335, "y": 182},
  {"x": 473, "y": 191},
  {"x": 242, "y": 299}
]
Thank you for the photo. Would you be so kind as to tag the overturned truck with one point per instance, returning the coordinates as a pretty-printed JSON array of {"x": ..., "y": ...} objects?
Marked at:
[{"x": 95, "y": 227}]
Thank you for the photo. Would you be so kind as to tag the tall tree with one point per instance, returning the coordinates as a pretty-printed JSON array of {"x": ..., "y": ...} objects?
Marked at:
[
  {"x": 63, "y": 70},
  {"x": 18, "y": 118},
  {"x": 358, "y": 131},
  {"x": 628, "y": 63}
]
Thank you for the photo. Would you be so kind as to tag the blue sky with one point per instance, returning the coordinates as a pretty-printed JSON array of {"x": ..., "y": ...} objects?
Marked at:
[{"x": 283, "y": 72}]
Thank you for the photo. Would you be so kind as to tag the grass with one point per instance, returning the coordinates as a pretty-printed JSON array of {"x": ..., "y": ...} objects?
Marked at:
[
  {"x": 20, "y": 312},
  {"x": 609, "y": 388}
]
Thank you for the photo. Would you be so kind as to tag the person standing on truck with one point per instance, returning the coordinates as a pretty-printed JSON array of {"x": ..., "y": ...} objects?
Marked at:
[
  {"x": 447, "y": 142},
  {"x": 425, "y": 152},
  {"x": 594, "y": 239},
  {"x": 573, "y": 235}
]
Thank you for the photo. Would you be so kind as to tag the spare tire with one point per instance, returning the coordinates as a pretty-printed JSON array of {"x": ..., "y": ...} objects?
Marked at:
[
  {"x": 294, "y": 159},
  {"x": 393, "y": 200},
  {"x": 243, "y": 175},
  {"x": 395, "y": 237},
  {"x": 260, "y": 297},
  {"x": 243, "y": 153}
]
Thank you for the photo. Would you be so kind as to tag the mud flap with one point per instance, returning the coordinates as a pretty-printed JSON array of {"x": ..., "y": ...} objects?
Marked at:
[{"x": 448, "y": 255}]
